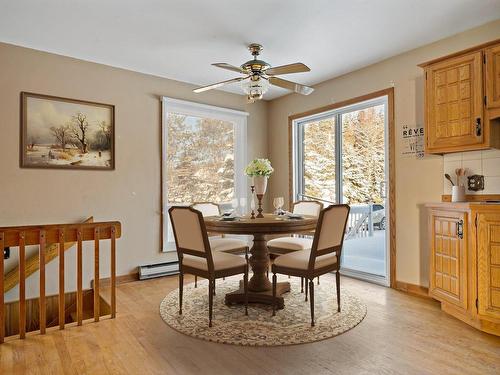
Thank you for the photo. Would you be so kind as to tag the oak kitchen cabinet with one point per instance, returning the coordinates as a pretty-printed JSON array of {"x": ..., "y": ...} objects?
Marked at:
[
  {"x": 492, "y": 62},
  {"x": 464, "y": 256},
  {"x": 462, "y": 100}
]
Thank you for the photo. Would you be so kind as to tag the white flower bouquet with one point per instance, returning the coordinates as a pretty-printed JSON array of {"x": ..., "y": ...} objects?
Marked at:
[{"x": 259, "y": 167}]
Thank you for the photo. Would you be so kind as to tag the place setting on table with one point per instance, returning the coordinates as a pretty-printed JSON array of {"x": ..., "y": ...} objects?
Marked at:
[{"x": 265, "y": 321}]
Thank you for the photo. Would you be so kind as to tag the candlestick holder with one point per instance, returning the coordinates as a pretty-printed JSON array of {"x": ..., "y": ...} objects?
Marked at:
[
  {"x": 259, "y": 210},
  {"x": 252, "y": 203}
]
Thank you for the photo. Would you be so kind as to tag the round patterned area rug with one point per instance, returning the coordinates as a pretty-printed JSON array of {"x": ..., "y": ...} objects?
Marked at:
[{"x": 291, "y": 325}]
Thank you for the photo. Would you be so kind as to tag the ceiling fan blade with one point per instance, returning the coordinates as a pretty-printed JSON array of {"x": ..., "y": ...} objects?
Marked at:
[
  {"x": 230, "y": 67},
  {"x": 218, "y": 84},
  {"x": 297, "y": 87},
  {"x": 287, "y": 69}
]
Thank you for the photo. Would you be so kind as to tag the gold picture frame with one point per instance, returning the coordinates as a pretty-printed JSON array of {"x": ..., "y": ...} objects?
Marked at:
[{"x": 63, "y": 133}]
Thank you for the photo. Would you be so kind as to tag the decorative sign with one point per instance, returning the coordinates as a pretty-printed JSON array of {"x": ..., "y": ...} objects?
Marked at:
[{"x": 413, "y": 141}]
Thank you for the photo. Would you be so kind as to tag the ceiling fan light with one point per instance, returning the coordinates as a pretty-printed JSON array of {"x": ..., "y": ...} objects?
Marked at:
[{"x": 255, "y": 87}]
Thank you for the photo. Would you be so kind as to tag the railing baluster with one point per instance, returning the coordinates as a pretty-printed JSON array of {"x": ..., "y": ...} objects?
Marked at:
[
  {"x": 2, "y": 322},
  {"x": 96, "y": 274},
  {"x": 43, "y": 319},
  {"x": 62, "y": 299},
  {"x": 79, "y": 291},
  {"x": 22, "y": 286},
  {"x": 52, "y": 241},
  {"x": 113, "y": 272}
]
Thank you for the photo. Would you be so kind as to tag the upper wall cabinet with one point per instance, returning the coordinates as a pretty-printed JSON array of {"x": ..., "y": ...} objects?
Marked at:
[
  {"x": 492, "y": 57},
  {"x": 462, "y": 100}
]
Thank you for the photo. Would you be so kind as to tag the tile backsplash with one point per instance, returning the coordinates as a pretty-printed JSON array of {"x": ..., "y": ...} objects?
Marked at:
[{"x": 486, "y": 163}]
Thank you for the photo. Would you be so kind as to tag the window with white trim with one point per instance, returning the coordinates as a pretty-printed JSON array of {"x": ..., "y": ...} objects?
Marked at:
[{"x": 203, "y": 157}]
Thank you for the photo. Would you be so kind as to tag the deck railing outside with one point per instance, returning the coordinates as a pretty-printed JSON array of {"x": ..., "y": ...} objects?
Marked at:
[{"x": 360, "y": 222}]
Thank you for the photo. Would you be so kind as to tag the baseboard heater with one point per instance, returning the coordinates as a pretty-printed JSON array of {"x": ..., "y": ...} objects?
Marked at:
[{"x": 151, "y": 271}]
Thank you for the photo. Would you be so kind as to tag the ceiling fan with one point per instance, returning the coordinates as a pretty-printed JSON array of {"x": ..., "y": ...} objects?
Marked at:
[{"x": 259, "y": 75}]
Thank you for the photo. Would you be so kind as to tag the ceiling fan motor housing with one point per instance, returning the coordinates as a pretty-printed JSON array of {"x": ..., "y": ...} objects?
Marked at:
[{"x": 255, "y": 66}]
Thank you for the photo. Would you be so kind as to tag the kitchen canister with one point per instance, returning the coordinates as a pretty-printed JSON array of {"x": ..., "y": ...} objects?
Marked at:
[{"x": 458, "y": 193}]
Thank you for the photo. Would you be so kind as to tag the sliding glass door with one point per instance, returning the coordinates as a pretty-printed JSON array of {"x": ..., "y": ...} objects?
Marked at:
[{"x": 340, "y": 157}]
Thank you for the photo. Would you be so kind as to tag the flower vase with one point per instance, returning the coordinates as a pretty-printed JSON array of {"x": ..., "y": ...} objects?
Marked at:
[{"x": 260, "y": 183}]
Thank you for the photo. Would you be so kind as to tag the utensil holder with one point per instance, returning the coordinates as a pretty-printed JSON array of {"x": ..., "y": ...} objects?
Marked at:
[{"x": 458, "y": 193}]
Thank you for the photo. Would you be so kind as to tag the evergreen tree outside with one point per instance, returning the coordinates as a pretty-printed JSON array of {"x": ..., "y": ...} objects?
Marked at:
[{"x": 363, "y": 156}]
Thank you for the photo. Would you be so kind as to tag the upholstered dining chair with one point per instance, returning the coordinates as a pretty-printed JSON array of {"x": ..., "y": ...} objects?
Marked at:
[
  {"x": 197, "y": 258},
  {"x": 285, "y": 245},
  {"x": 322, "y": 257},
  {"x": 219, "y": 242}
]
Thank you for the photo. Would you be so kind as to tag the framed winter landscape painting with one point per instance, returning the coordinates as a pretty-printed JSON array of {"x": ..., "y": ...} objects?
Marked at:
[{"x": 66, "y": 133}]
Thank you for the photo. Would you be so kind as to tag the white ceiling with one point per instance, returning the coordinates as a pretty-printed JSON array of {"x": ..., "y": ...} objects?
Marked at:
[{"x": 180, "y": 39}]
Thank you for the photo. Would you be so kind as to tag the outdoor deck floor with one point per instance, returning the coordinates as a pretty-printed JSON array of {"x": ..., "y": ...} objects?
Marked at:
[{"x": 366, "y": 254}]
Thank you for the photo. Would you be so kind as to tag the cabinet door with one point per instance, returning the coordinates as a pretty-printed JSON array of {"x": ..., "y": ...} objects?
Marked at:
[
  {"x": 454, "y": 103},
  {"x": 493, "y": 77},
  {"x": 448, "y": 278},
  {"x": 488, "y": 264}
]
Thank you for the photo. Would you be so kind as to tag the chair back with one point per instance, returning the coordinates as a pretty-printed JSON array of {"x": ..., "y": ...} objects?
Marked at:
[
  {"x": 329, "y": 234},
  {"x": 311, "y": 208},
  {"x": 190, "y": 234},
  {"x": 207, "y": 208}
]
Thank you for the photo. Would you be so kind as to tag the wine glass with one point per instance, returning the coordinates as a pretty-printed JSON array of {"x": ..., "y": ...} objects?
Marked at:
[{"x": 278, "y": 203}]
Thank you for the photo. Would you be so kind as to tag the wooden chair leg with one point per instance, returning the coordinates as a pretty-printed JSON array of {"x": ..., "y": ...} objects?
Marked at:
[
  {"x": 181, "y": 287},
  {"x": 301, "y": 285},
  {"x": 245, "y": 289},
  {"x": 214, "y": 287},
  {"x": 318, "y": 280},
  {"x": 210, "y": 301},
  {"x": 307, "y": 289},
  {"x": 311, "y": 297},
  {"x": 274, "y": 293},
  {"x": 337, "y": 277},
  {"x": 196, "y": 281}
]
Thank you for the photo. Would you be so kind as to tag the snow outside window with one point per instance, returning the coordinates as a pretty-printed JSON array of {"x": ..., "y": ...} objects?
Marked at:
[{"x": 203, "y": 157}]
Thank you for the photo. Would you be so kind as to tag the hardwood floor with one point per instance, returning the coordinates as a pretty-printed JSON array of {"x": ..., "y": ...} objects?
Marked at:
[{"x": 401, "y": 334}]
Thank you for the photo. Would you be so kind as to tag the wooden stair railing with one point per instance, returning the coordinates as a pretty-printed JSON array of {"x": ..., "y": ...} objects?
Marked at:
[
  {"x": 11, "y": 279},
  {"x": 59, "y": 234}
]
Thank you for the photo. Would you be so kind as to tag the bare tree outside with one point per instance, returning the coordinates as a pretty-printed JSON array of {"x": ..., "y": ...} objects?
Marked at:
[{"x": 200, "y": 159}]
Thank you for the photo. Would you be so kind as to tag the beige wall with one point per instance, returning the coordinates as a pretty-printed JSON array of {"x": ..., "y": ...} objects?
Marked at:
[
  {"x": 131, "y": 193},
  {"x": 417, "y": 181}
]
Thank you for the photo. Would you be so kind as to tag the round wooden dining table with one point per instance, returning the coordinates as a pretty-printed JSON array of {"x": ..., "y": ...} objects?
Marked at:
[{"x": 259, "y": 285}]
